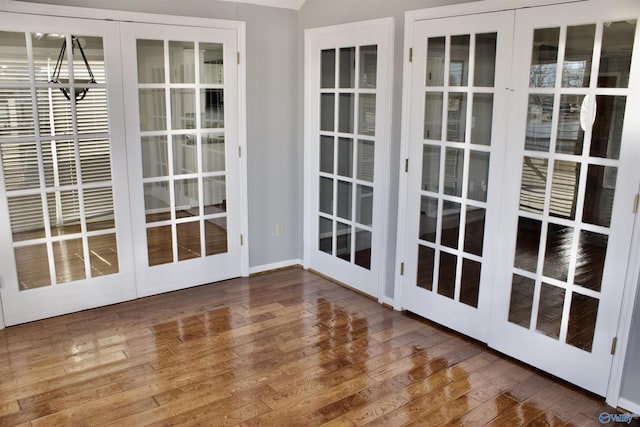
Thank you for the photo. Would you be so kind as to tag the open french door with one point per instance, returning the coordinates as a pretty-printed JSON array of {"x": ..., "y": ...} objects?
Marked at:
[
  {"x": 64, "y": 204},
  {"x": 183, "y": 145}
]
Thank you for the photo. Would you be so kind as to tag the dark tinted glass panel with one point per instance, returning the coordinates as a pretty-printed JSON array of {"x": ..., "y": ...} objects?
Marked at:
[
  {"x": 474, "y": 231},
  {"x": 470, "y": 282},
  {"x": 326, "y": 154},
  {"x": 582, "y": 321},
  {"x": 327, "y": 106},
  {"x": 598, "y": 198},
  {"x": 615, "y": 56},
  {"x": 343, "y": 241},
  {"x": 447, "y": 275},
  {"x": 606, "y": 136},
  {"x": 558, "y": 251},
  {"x": 345, "y": 157},
  {"x": 450, "y": 224},
  {"x": 325, "y": 236},
  {"x": 348, "y": 67},
  {"x": 428, "y": 218},
  {"x": 485, "y": 67},
  {"x": 363, "y": 248},
  {"x": 592, "y": 249},
  {"x": 550, "y": 310},
  {"x": 425, "y": 267},
  {"x": 459, "y": 64},
  {"x": 328, "y": 68},
  {"x": 521, "y": 303},
  {"x": 528, "y": 244}
]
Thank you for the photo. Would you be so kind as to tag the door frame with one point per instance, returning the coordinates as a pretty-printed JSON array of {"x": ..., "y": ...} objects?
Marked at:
[
  {"x": 385, "y": 27},
  {"x": 632, "y": 279},
  {"x": 42, "y": 11}
]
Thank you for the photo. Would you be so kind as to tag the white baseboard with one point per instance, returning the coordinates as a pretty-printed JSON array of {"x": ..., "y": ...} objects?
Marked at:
[
  {"x": 274, "y": 266},
  {"x": 629, "y": 405}
]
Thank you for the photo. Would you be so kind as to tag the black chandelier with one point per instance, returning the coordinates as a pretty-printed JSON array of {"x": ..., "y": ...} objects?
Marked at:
[{"x": 80, "y": 93}]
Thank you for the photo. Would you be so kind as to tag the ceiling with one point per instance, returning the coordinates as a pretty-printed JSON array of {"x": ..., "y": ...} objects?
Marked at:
[{"x": 287, "y": 4}]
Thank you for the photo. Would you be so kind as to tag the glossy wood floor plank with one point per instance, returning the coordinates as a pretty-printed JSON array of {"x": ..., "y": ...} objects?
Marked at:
[{"x": 285, "y": 348}]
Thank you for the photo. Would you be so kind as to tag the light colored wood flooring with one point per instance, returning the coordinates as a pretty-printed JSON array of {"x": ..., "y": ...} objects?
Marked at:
[{"x": 284, "y": 348}]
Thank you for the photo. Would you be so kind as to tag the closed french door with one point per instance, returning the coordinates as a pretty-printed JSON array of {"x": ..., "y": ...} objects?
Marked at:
[
  {"x": 455, "y": 168},
  {"x": 64, "y": 206},
  {"x": 93, "y": 212},
  {"x": 519, "y": 219},
  {"x": 573, "y": 173},
  {"x": 346, "y": 151},
  {"x": 183, "y": 147}
]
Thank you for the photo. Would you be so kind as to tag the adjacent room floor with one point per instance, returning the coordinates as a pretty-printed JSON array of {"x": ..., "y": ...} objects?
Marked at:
[{"x": 282, "y": 348}]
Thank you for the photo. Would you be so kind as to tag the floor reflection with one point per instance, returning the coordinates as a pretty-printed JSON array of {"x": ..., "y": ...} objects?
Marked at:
[{"x": 283, "y": 348}]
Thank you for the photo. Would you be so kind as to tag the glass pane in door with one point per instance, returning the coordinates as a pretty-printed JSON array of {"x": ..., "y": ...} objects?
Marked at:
[
  {"x": 568, "y": 179},
  {"x": 456, "y": 158},
  {"x": 57, "y": 169},
  {"x": 348, "y": 91},
  {"x": 182, "y": 142}
]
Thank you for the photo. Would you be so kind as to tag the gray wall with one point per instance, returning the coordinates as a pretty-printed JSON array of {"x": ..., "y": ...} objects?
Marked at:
[
  {"x": 320, "y": 13},
  {"x": 274, "y": 152}
]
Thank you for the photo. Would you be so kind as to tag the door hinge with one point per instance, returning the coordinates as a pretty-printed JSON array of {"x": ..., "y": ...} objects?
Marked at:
[
  {"x": 614, "y": 343},
  {"x": 636, "y": 198},
  {"x": 406, "y": 165},
  {"x": 402, "y": 268},
  {"x": 410, "y": 54},
  {"x": 241, "y": 240},
  {"x": 239, "y": 151},
  {"x": 238, "y": 58}
]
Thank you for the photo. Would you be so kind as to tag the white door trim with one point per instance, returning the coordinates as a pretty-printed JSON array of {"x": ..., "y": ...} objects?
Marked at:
[{"x": 384, "y": 26}]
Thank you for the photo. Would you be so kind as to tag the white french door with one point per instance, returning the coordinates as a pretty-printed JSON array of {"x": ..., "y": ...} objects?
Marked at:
[
  {"x": 454, "y": 174},
  {"x": 542, "y": 279},
  {"x": 573, "y": 173},
  {"x": 93, "y": 212},
  {"x": 64, "y": 204},
  {"x": 183, "y": 145},
  {"x": 348, "y": 83}
]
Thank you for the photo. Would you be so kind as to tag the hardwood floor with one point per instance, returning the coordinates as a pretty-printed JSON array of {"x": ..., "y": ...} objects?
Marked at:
[{"x": 285, "y": 348}]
